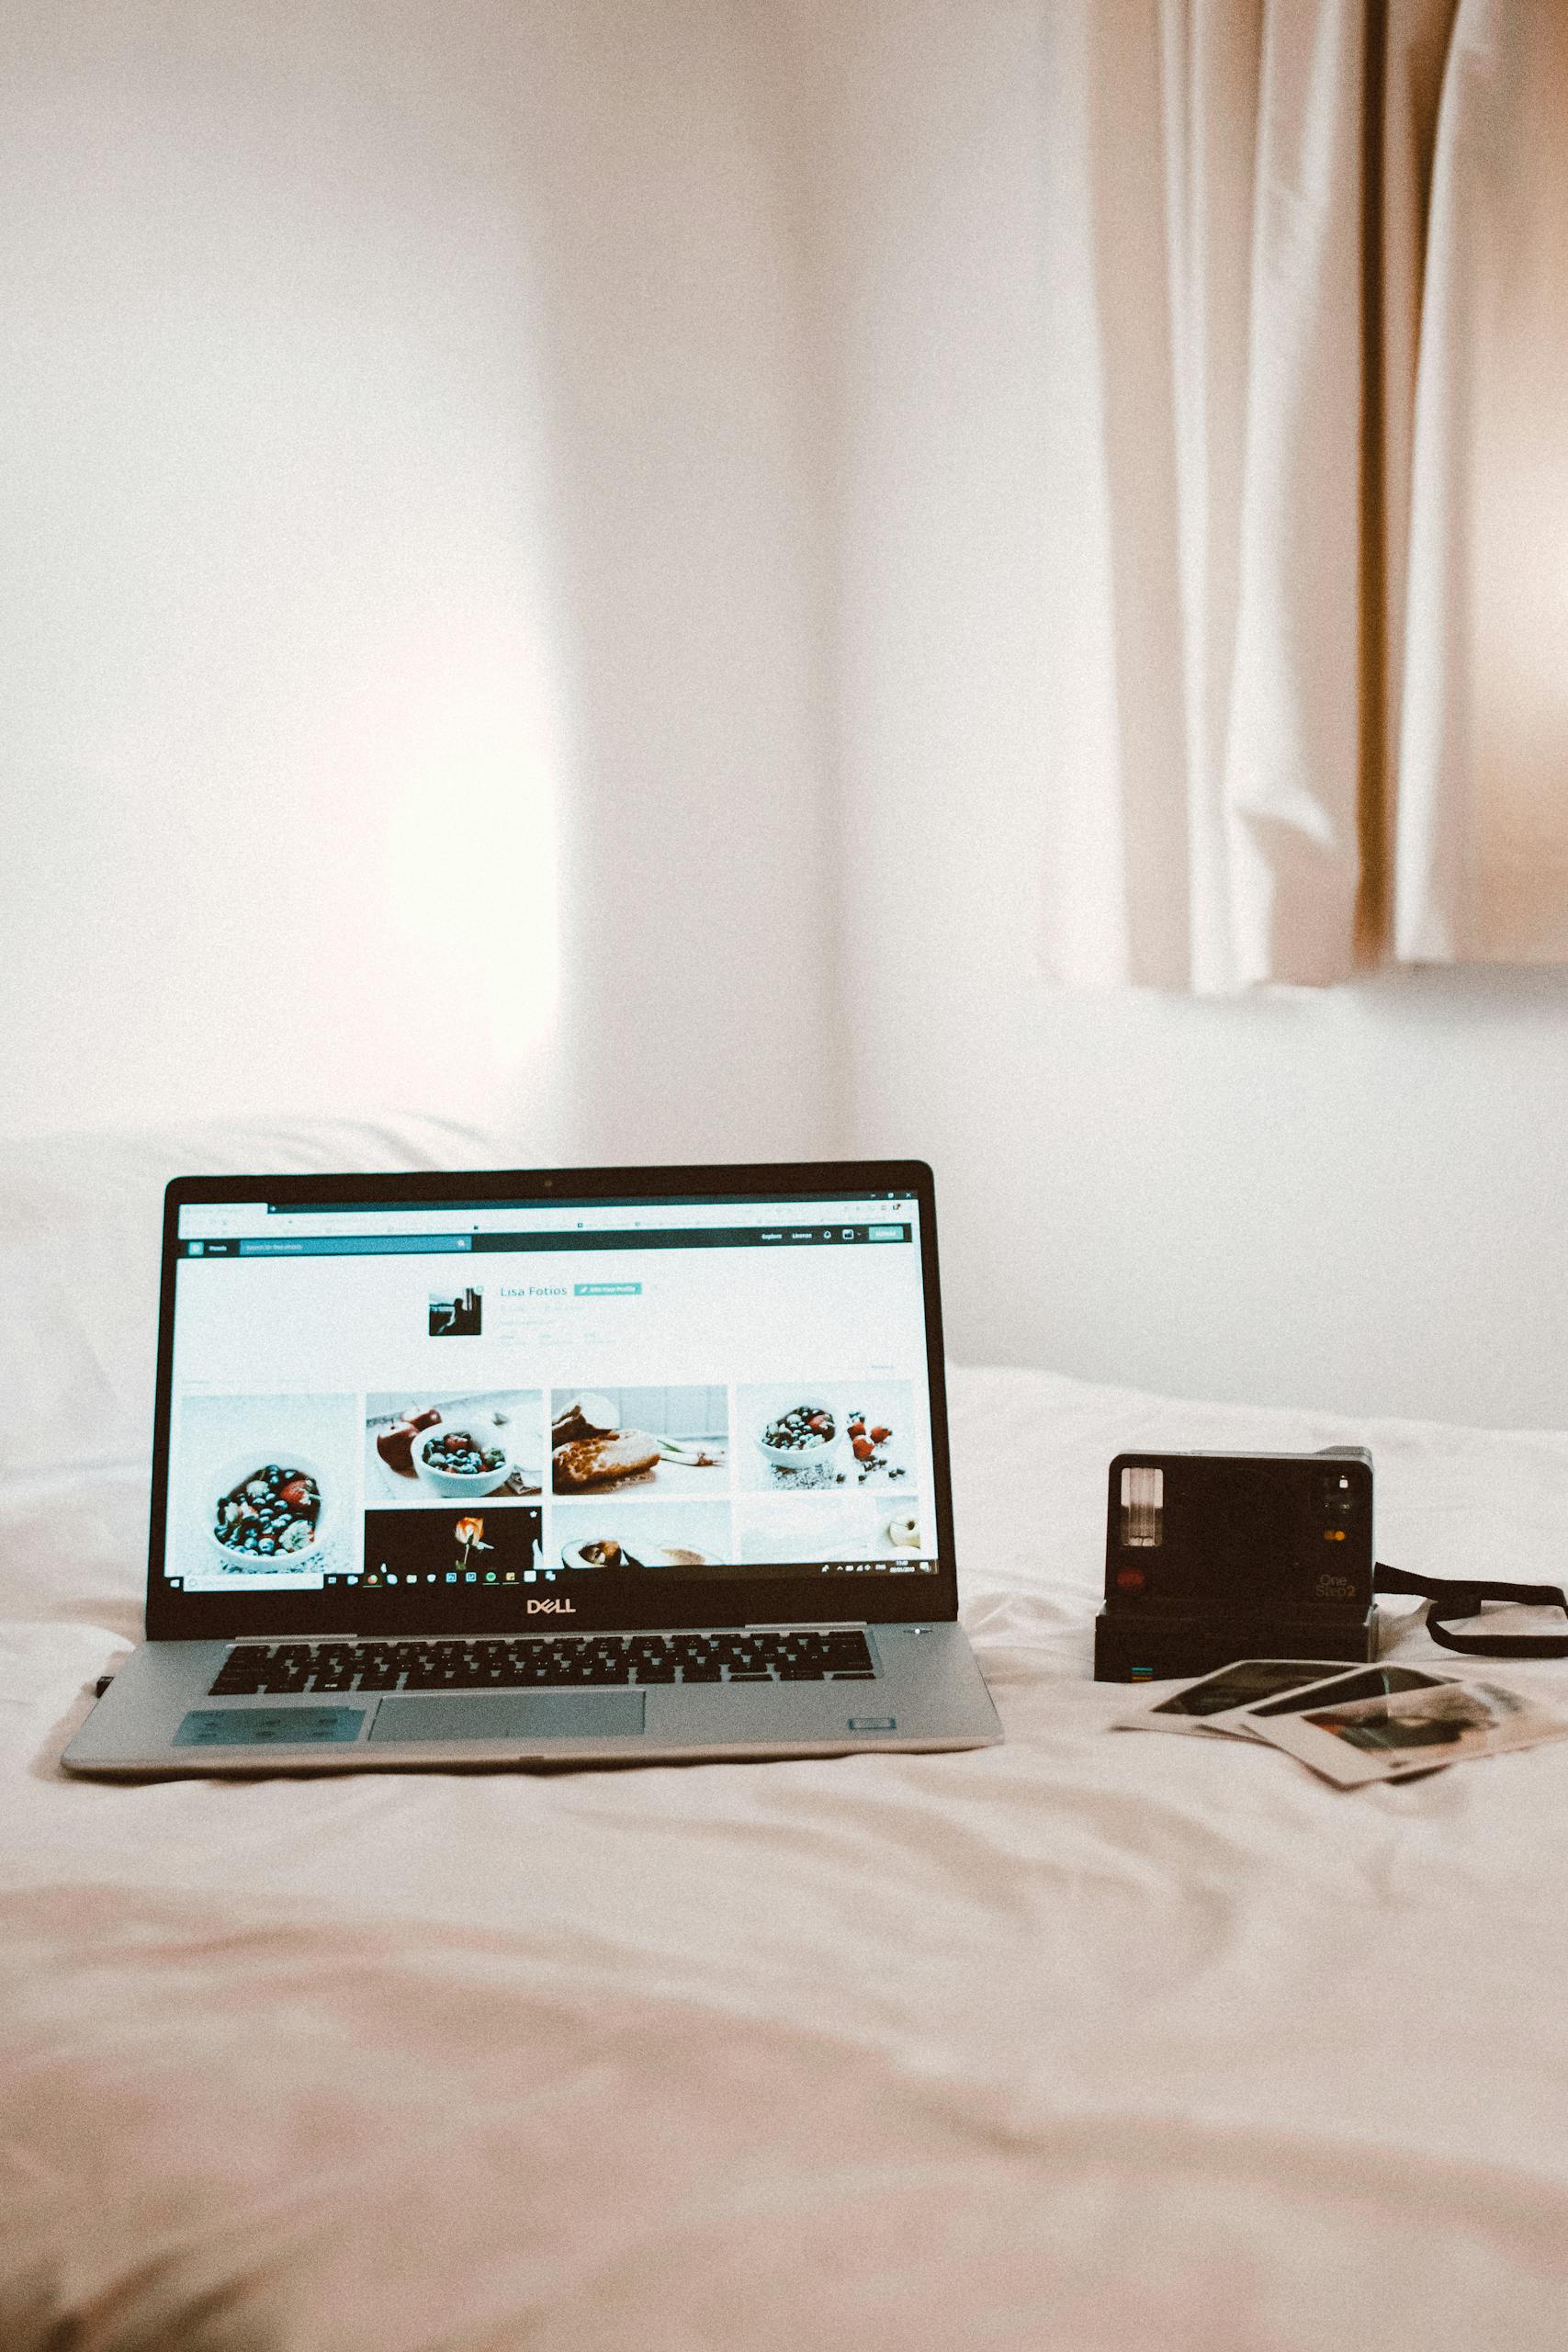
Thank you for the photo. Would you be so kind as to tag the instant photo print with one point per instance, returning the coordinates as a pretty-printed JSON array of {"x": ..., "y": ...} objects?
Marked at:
[
  {"x": 1212, "y": 1557},
  {"x": 1217, "y": 1701},
  {"x": 1392, "y": 1722}
]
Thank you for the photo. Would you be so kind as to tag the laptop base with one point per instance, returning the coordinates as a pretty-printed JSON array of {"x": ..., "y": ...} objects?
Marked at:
[{"x": 159, "y": 1719}]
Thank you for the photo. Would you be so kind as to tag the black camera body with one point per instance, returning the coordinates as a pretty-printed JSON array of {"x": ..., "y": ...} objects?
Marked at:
[{"x": 1211, "y": 1557}]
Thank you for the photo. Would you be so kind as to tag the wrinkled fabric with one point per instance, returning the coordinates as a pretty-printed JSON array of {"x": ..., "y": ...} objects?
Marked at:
[
  {"x": 1094, "y": 2038},
  {"x": 1482, "y": 833},
  {"x": 1312, "y": 258}
]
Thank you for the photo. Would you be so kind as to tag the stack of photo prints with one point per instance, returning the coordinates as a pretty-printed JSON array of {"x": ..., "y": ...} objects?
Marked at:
[{"x": 1355, "y": 1724}]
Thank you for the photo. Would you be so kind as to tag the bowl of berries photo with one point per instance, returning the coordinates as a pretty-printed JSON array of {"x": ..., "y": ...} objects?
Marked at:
[
  {"x": 270, "y": 1514},
  {"x": 800, "y": 1441},
  {"x": 463, "y": 1457}
]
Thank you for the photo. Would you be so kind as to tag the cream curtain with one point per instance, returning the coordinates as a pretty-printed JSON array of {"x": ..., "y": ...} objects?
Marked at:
[{"x": 1316, "y": 253}]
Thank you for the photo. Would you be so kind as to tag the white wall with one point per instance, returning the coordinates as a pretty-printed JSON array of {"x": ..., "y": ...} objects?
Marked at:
[
  {"x": 1354, "y": 1199},
  {"x": 406, "y": 607},
  {"x": 412, "y": 684}
]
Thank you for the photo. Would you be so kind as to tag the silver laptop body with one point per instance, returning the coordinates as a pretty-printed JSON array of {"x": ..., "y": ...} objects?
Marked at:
[{"x": 573, "y": 1466}]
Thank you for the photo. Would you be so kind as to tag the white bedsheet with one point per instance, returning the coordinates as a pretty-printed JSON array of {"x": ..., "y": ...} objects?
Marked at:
[{"x": 1090, "y": 2041}]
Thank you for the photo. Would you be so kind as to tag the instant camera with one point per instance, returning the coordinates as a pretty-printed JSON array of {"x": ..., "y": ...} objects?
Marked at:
[{"x": 1215, "y": 1556}]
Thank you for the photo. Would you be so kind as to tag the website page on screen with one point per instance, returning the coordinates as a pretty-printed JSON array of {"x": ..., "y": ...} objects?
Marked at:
[{"x": 387, "y": 1396}]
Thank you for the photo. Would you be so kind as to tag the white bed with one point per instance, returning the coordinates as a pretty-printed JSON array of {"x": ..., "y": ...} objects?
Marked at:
[{"x": 1090, "y": 2041}]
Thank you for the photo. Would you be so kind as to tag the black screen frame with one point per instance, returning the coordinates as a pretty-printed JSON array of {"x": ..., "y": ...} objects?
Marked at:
[{"x": 602, "y": 1598}]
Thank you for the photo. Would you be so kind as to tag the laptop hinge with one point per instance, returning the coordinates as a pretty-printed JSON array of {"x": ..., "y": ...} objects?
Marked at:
[
  {"x": 769, "y": 1625},
  {"x": 794, "y": 1624},
  {"x": 270, "y": 1641}
]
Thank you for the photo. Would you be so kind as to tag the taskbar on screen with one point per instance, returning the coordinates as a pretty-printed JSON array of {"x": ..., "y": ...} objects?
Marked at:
[
  {"x": 723, "y": 1571},
  {"x": 497, "y": 1579}
]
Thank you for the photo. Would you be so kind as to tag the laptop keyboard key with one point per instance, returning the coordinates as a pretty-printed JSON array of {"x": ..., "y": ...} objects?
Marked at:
[{"x": 551, "y": 1661}]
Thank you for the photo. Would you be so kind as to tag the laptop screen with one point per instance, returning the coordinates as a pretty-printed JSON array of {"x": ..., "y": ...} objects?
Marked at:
[{"x": 493, "y": 1410}]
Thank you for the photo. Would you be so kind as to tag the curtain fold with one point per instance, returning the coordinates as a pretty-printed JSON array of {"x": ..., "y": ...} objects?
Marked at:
[{"x": 1298, "y": 751}]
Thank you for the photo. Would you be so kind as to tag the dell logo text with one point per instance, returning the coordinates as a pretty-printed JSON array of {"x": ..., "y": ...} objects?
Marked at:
[{"x": 552, "y": 1608}]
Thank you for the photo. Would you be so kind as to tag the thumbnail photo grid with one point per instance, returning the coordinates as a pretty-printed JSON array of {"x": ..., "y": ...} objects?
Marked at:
[
  {"x": 458, "y": 1486},
  {"x": 798, "y": 1475}
]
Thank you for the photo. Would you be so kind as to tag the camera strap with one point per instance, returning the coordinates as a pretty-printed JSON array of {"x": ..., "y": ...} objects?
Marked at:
[{"x": 1449, "y": 1599}]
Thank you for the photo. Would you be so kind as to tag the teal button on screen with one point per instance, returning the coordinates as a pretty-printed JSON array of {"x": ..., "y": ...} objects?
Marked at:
[{"x": 606, "y": 1290}]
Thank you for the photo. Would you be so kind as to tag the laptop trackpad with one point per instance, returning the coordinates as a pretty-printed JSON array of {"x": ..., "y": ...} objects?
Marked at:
[{"x": 513, "y": 1714}]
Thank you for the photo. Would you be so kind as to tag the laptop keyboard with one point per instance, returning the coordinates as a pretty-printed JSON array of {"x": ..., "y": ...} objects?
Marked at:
[{"x": 258, "y": 1669}]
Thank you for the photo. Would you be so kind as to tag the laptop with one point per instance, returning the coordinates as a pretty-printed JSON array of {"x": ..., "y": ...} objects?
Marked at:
[{"x": 560, "y": 1467}]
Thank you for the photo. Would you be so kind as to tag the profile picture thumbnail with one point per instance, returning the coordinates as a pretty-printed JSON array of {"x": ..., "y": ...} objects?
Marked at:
[{"x": 458, "y": 1317}]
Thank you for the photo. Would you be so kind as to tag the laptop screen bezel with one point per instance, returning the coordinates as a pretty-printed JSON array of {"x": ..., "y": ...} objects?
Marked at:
[{"x": 603, "y": 1600}]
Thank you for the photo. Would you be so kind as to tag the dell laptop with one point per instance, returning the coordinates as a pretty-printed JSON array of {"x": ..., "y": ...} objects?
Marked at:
[{"x": 583, "y": 1466}]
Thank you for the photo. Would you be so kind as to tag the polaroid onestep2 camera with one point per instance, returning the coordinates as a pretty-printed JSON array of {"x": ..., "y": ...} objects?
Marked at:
[{"x": 1215, "y": 1556}]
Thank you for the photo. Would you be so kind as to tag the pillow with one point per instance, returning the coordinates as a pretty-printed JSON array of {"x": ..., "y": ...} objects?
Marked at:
[{"x": 81, "y": 1223}]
